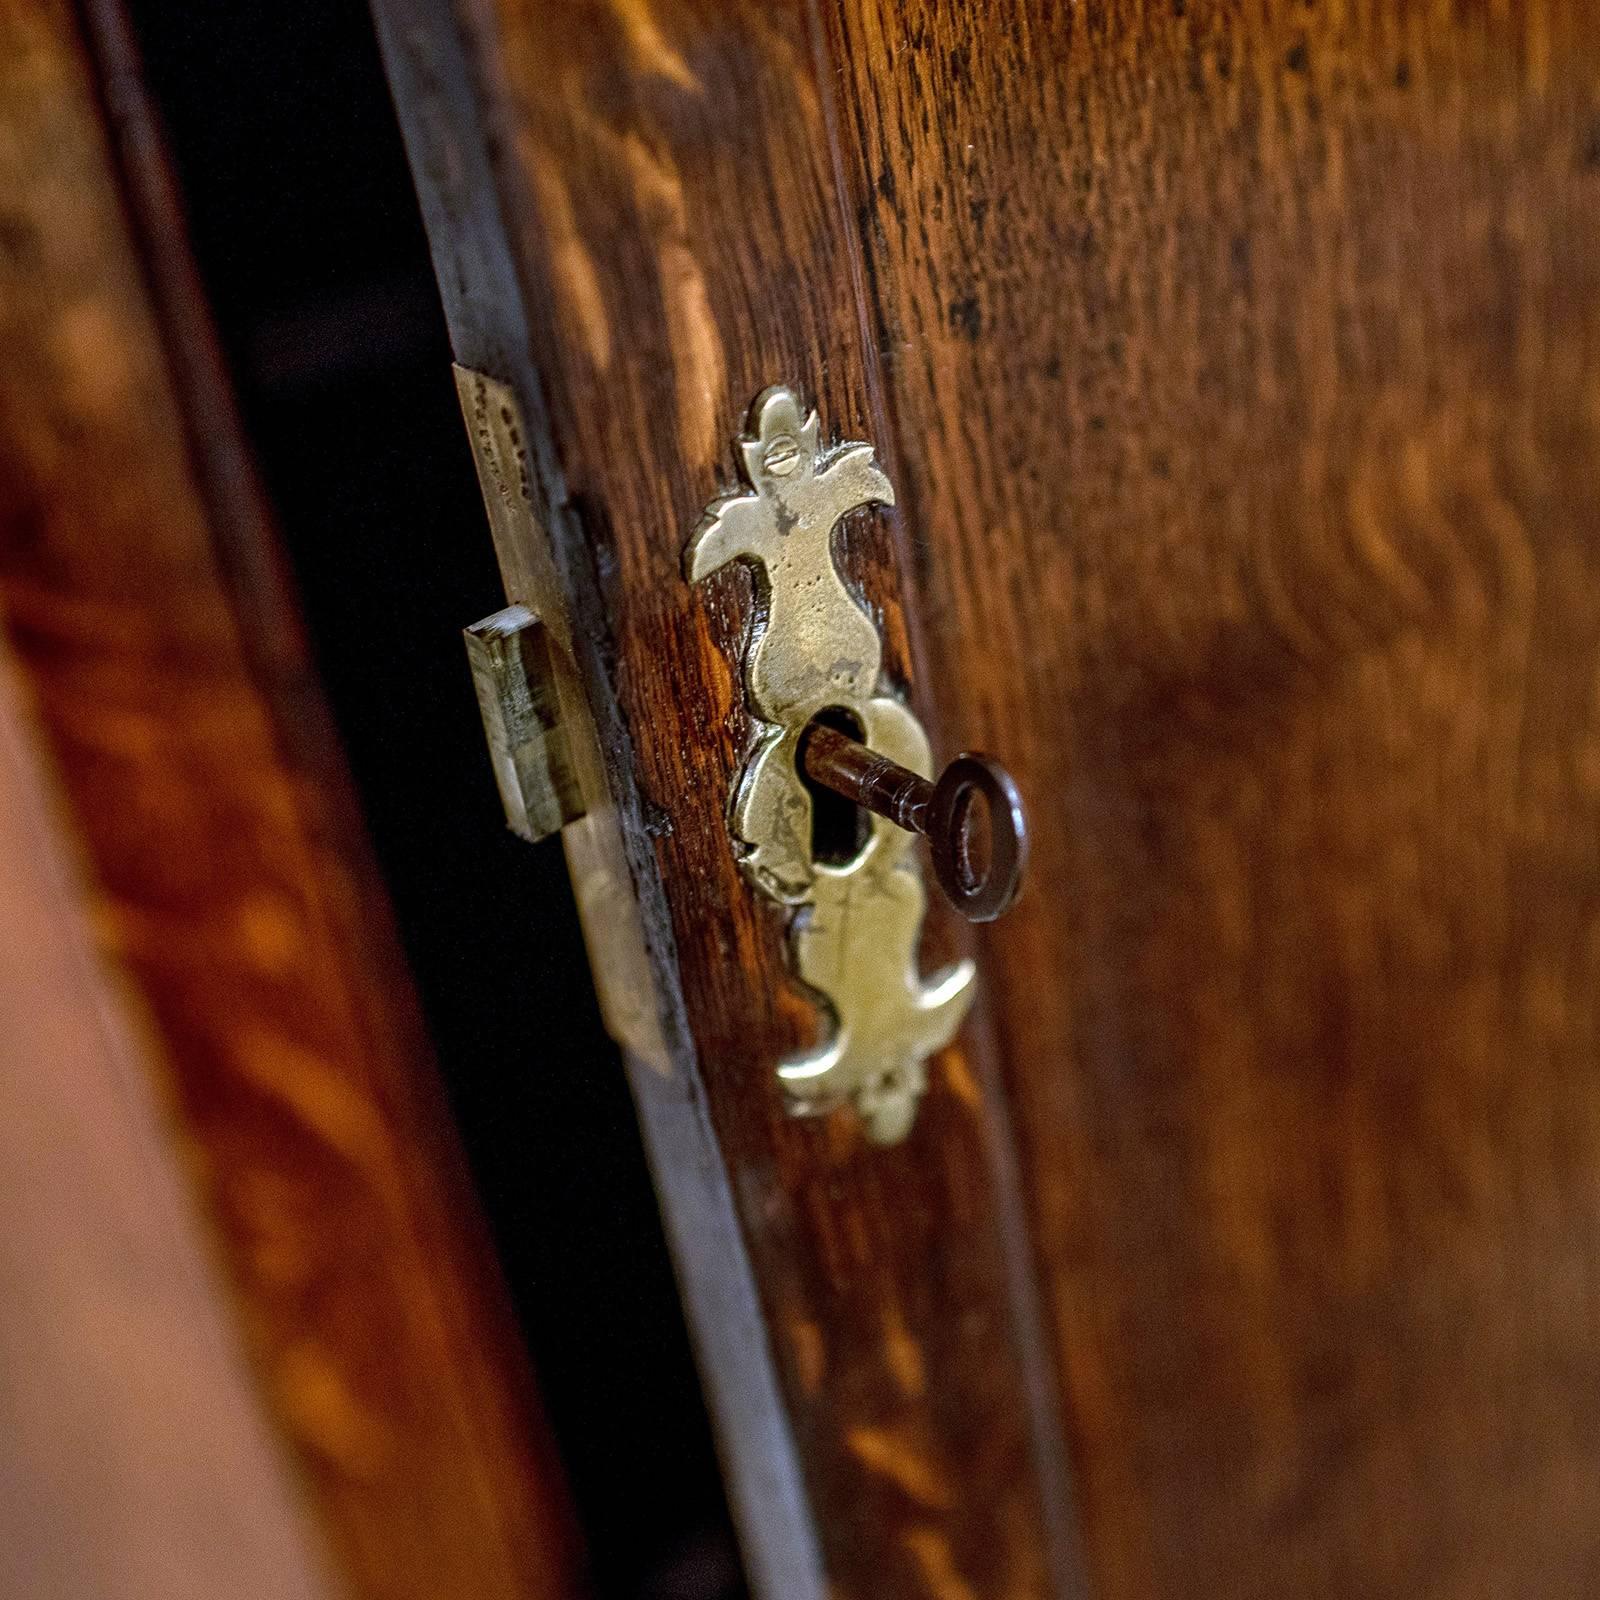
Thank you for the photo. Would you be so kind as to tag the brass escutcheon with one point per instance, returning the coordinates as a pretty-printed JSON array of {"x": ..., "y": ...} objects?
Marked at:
[{"x": 854, "y": 926}]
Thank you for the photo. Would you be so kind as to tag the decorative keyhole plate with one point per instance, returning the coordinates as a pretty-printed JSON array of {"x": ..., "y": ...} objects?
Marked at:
[{"x": 853, "y": 928}]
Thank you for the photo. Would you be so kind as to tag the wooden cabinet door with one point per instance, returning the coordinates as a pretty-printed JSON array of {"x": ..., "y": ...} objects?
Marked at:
[
  {"x": 1237, "y": 370},
  {"x": 252, "y": 1342}
]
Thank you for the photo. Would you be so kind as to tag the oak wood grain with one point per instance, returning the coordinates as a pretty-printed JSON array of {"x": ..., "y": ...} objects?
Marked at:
[
  {"x": 1245, "y": 364},
  {"x": 637, "y": 222},
  {"x": 1238, "y": 369},
  {"x": 136, "y": 1457},
  {"x": 139, "y": 588}
]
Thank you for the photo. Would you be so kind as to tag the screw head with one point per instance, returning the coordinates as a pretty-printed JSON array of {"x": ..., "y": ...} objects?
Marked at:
[{"x": 782, "y": 456}]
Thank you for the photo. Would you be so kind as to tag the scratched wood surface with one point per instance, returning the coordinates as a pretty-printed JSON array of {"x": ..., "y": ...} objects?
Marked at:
[
  {"x": 229, "y": 886},
  {"x": 1245, "y": 362},
  {"x": 1238, "y": 370},
  {"x": 664, "y": 186}
]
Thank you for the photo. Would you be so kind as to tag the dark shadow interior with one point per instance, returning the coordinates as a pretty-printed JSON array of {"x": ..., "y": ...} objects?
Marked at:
[{"x": 308, "y": 238}]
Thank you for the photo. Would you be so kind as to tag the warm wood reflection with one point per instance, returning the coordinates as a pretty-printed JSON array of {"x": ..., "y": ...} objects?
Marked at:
[{"x": 227, "y": 882}]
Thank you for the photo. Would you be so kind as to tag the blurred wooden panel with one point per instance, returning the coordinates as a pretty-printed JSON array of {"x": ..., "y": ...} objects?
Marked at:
[
  {"x": 136, "y": 1458},
  {"x": 138, "y": 585}
]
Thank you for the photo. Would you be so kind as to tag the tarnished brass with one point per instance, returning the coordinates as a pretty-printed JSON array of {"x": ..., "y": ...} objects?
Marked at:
[
  {"x": 517, "y": 694},
  {"x": 593, "y": 842},
  {"x": 854, "y": 926}
]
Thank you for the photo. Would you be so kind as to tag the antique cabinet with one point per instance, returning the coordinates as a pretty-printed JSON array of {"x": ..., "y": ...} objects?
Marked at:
[
  {"x": 1235, "y": 370},
  {"x": 1231, "y": 378}
]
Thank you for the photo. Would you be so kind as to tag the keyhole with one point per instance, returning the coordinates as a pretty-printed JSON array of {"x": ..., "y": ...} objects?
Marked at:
[{"x": 839, "y": 828}]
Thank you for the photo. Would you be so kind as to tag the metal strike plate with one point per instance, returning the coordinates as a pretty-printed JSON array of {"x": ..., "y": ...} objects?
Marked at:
[
  {"x": 593, "y": 842},
  {"x": 517, "y": 695},
  {"x": 854, "y": 927}
]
